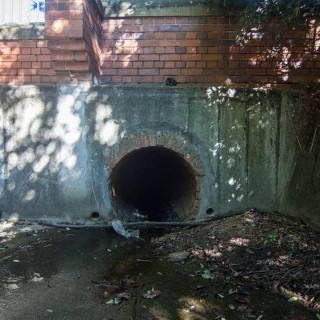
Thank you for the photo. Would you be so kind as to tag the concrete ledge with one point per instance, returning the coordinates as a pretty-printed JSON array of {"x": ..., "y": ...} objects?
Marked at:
[
  {"x": 22, "y": 32},
  {"x": 60, "y": 143},
  {"x": 165, "y": 8}
]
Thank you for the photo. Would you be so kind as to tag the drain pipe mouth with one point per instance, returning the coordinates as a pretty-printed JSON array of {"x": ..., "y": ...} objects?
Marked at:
[{"x": 155, "y": 182}]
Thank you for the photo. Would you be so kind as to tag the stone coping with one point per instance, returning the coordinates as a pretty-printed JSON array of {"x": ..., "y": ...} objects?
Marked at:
[
  {"x": 22, "y": 31},
  {"x": 160, "y": 8}
]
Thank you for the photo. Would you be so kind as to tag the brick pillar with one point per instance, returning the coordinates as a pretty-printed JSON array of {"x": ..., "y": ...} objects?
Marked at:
[{"x": 68, "y": 27}]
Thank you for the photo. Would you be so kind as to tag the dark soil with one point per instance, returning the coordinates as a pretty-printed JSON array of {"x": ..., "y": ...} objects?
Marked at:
[
  {"x": 257, "y": 250},
  {"x": 257, "y": 266}
]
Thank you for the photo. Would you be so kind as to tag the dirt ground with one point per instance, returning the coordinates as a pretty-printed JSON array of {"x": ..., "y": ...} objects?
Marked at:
[
  {"x": 251, "y": 266},
  {"x": 262, "y": 250}
]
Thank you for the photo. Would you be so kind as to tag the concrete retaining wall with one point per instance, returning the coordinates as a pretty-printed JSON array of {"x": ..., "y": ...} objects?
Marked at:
[{"x": 60, "y": 143}]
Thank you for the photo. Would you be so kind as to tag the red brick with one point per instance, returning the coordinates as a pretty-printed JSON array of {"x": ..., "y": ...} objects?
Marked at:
[
  {"x": 137, "y": 64},
  {"x": 170, "y": 57},
  {"x": 76, "y": 15},
  {"x": 107, "y": 79},
  {"x": 9, "y": 72},
  {"x": 149, "y": 50},
  {"x": 36, "y": 65},
  {"x": 191, "y": 72},
  {"x": 75, "y": 33},
  {"x": 48, "y": 79},
  {"x": 36, "y": 79},
  {"x": 71, "y": 44},
  {"x": 191, "y": 50},
  {"x": 26, "y": 65},
  {"x": 148, "y": 72},
  {"x": 159, "y": 64},
  {"x": 170, "y": 72},
  {"x": 46, "y": 65},
  {"x": 169, "y": 64},
  {"x": 213, "y": 57},
  {"x": 212, "y": 64},
  {"x": 25, "y": 51},
  {"x": 170, "y": 50},
  {"x": 142, "y": 79},
  {"x": 148, "y": 64},
  {"x": 80, "y": 56},
  {"x": 159, "y": 50},
  {"x": 76, "y": 66},
  {"x": 28, "y": 44},
  {"x": 8, "y": 51},
  {"x": 192, "y": 57},
  {"x": 29, "y": 72},
  {"x": 44, "y": 51},
  {"x": 35, "y": 51},
  {"x": 180, "y": 64},
  {"x": 120, "y": 79},
  {"x": 149, "y": 57},
  {"x": 125, "y": 57},
  {"x": 255, "y": 71},
  {"x": 27, "y": 58},
  {"x": 42, "y": 44},
  {"x": 127, "y": 72},
  {"x": 190, "y": 64},
  {"x": 44, "y": 57},
  {"x": 61, "y": 55},
  {"x": 191, "y": 35},
  {"x": 8, "y": 58},
  {"x": 58, "y": 14}
]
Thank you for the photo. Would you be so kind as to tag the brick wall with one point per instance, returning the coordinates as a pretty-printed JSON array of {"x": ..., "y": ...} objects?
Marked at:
[
  {"x": 79, "y": 46},
  {"x": 73, "y": 28},
  {"x": 203, "y": 50},
  {"x": 25, "y": 61}
]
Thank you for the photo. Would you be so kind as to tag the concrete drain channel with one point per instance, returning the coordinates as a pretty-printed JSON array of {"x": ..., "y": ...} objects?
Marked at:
[{"x": 154, "y": 182}]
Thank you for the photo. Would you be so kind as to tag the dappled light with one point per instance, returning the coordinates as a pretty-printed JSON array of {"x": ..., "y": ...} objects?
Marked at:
[
  {"x": 288, "y": 56},
  {"x": 106, "y": 128},
  {"x": 193, "y": 307},
  {"x": 276, "y": 255},
  {"x": 174, "y": 120},
  {"x": 42, "y": 137}
]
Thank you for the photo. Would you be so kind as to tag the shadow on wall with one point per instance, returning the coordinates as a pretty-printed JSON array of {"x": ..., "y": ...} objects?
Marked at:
[
  {"x": 46, "y": 166},
  {"x": 56, "y": 144},
  {"x": 275, "y": 57}
]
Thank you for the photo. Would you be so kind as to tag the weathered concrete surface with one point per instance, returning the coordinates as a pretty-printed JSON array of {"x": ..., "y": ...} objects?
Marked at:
[
  {"x": 22, "y": 32},
  {"x": 299, "y": 169},
  {"x": 56, "y": 143}
]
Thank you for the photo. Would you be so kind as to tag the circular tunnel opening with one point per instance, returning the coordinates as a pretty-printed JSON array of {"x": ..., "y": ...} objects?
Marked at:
[{"x": 154, "y": 182}]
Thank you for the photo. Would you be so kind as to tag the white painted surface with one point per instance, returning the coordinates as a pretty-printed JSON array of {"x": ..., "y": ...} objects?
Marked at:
[{"x": 20, "y": 11}]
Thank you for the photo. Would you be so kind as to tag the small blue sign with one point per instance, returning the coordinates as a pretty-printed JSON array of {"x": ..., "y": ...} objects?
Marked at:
[{"x": 38, "y": 6}]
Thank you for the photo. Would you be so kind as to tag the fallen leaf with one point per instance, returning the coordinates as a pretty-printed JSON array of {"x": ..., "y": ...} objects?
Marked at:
[
  {"x": 119, "y": 298},
  {"x": 207, "y": 274},
  {"x": 179, "y": 256},
  {"x": 293, "y": 299},
  {"x": 11, "y": 286},
  {"x": 232, "y": 291},
  {"x": 151, "y": 294},
  {"x": 242, "y": 308},
  {"x": 231, "y": 306}
]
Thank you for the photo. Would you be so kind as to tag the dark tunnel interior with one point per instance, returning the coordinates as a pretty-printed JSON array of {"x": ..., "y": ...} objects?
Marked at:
[{"x": 154, "y": 181}]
